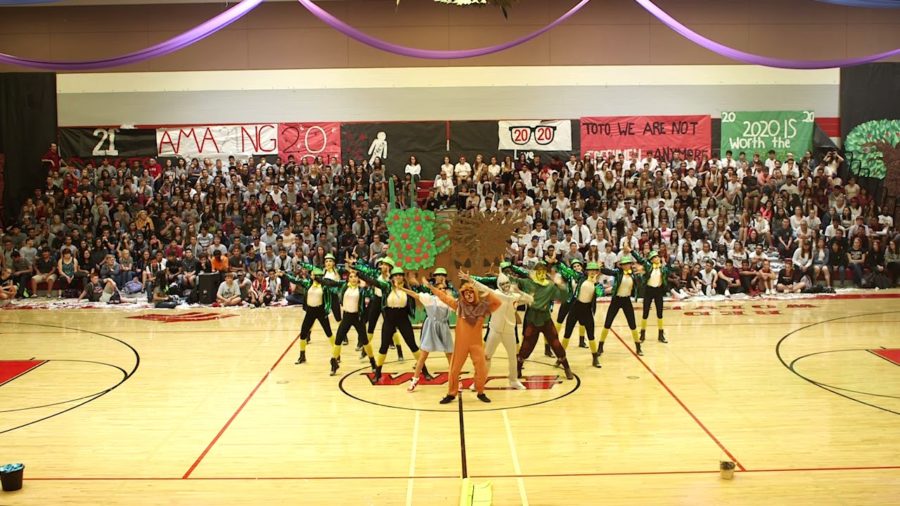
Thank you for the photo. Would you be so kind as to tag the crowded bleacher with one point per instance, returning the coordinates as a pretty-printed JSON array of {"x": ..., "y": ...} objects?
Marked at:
[{"x": 745, "y": 223}]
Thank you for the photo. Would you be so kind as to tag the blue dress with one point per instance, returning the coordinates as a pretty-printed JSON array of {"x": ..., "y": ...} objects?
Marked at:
[{"x": 436, "y": 334}]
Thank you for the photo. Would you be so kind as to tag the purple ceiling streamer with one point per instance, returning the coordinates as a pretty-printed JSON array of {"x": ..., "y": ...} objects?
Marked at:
[
  {"x": 736, "y": 54},
  {"x": 187, "y": 38},
  {"x": 429, "y": 54}
]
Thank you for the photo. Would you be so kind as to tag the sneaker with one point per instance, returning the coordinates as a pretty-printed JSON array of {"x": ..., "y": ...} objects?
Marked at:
[
  {"x": 517, "y": 385},
  {"x": 483, "y": 398},
  {"x": 727, "y": 292},
  {"x": 412, "y": 384},
  {"x": 448, "y": 399}
]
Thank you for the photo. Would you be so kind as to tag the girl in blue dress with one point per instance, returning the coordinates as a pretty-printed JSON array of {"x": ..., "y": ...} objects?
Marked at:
[{"x": 436, "y": 334}]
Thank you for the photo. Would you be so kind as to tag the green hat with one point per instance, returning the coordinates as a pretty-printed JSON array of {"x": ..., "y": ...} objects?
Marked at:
[
  {"x": 593, "y": 266},
  {"x": 440, "y": 271},
  {"x": 653, "y": 254},
  {"x": 318, "y": 272},
  {"x": 576, "y": 261},
  {"x": 505, "y": 265},
  {"x": 386, "y": 260},
  {"x": 397, "y": 270},
  {"x": 626, "y": 259},
  {"x": 329, "y": 257}
]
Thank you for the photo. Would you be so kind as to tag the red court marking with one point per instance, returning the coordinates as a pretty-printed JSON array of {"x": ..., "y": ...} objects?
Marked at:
[
  {"x": 238, "y": 411},
  {"x": 890, "y": 354},
  {"x": 12, "y": 369},
  {"x": 689, "y": 412}
]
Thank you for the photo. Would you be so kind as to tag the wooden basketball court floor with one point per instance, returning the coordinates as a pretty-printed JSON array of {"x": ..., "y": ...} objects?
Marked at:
[{"x": 206, "y": 406}]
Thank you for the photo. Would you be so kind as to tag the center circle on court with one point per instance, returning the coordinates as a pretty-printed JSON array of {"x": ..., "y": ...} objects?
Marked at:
[{"x": 545, "y": 383}]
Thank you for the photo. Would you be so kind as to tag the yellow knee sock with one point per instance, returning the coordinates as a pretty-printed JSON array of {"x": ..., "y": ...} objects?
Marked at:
[
  {"x": 643, "y": 324},
  {"x": 635, "y": 336},
  {"x": 581, "y": 331},
  {"x": 659, "y": 324},
  {"x": 379, "y": 361},
  {"x": 558, "y": 326},
  {"x": 593, "y": 345},
  {"x": 331, "y": 340},
  {"x": 371, "y": 336},
  {"x": 303, "y": 345},
  {"x": 565, "y": 343},
  {"x": 603, "y": 334},
  {"x": 336, "y": 351},
  {"x": 396, "y": 339},
  {"x": 368, "y": 349}
]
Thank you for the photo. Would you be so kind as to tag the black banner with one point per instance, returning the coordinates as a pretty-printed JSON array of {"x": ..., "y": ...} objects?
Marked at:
[
  {"x": 393, "y": 143},
  {"x": 469, "y": 138},
  {"x": 869, "y": 92},
  {"x": 113, "y": 143},
  {"x": 27, "y": 127}
]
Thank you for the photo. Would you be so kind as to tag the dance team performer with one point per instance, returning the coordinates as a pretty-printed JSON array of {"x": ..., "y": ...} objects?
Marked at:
[
  {"x": 502, "y": 325},
  {"x": 384, "y": 266},
  {"x": 561, "y": 316},
  {"x": 352, "y": 296},
  {"x": 436, "y": 336},
  {"x": 625, "y": 282},
  {"x": 583, "y": 304},
  {"x": 656, "y": 280},
  {"x": 317, "y": 300},
  {"x": 397, "y": 309},
  {"x": 471, "y": 310},
  {"x": 537, "y": 316}
]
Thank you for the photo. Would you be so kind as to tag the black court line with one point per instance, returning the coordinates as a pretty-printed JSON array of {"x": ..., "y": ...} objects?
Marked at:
[
  {"x": 793, "y": 362},
  {"x": 816, "y": 383},
  {"x": 137, "y": 364},
  {"x": 462, "y": 437}
]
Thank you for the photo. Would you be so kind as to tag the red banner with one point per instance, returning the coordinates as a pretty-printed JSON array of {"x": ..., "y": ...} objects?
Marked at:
[
  {"x": 309, "y": 140},
  {"x": 660, "y": 135}
]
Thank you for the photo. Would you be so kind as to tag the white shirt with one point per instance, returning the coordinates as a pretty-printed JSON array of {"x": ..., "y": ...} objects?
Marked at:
[
  {"x": 350, "y": 304},
  {"x": 586, "y": 292},
  {"x": 396, "y": 299},
  {"x": 462, "y": 169},
  {"x": 315, "y": 296},
  {"x": 415, "y": 170}
]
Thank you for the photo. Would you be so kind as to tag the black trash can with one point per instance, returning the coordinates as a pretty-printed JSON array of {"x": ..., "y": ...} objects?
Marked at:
[{"x": 11, "y": 477}]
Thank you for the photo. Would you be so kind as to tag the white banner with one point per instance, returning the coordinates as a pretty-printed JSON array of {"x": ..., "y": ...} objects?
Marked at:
[
  {"x": 218, "y": 141},
  {"x": 535, "y": 135}
]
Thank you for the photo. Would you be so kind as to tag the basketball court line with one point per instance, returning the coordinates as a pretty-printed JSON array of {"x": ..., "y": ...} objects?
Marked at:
[
  {"x": 515, "y": 459},
  {"x": 682, "y": 404},
  {"x": 238, "y": 411},
  {"x": 462, "y": 436},
  {"x": 412, "y": 461},
  {"x": 455, "y": 477}
]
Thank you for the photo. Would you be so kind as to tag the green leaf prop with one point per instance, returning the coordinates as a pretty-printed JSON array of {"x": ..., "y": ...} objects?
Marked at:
[
  {"x": 414, "y": 243},
  {"x": 866, "y": 143}
]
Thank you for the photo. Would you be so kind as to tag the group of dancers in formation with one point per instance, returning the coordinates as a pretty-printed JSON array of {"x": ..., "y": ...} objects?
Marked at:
[{"x": 386, "y": 291}]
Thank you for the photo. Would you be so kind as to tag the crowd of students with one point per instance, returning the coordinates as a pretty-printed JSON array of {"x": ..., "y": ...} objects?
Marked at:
[{"x": 752, "y": 223}]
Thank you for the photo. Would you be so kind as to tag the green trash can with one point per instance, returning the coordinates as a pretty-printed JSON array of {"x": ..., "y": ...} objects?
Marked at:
[{"x": 11, "y": 477}]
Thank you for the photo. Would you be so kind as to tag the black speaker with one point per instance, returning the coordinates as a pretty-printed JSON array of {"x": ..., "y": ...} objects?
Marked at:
[{"x": 207, "y": 286}]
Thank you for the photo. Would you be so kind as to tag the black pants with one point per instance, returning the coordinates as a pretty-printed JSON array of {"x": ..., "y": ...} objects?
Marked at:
[
  {"x": 374, "y": 313},
  {"x": 563, "y": 312},
  {"x": 653, "y": 295},
  {"x": 623, "y": 303},
  {"x": 580, "y": 313},
  {"x": 722, "y": 285},
  {"x": 336, "y": 311},
  {"x": 313, "y": 314},
  {"x": 396, "y": 320},
  {"x": 355, "y": 321}
]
